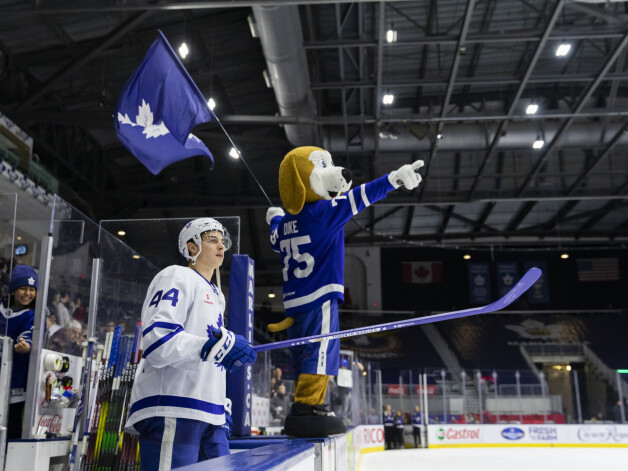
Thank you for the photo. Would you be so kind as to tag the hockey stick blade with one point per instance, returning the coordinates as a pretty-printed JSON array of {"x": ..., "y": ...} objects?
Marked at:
[{"x": 511, "y": 296}]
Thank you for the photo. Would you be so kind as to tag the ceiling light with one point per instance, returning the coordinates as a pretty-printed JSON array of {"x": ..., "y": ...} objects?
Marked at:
[
  {"x": 136, "y": 257},
  {"x": 539, "y": 143},
  {"x": 532, "y": 108},
  {"x": 466, "y": 256},
  {"x": 388, "y": 99},
  {"x": 211, "y": 103},
  {"x": 391, "y": 36},
  {"x": 271, "y": 295},
  {"x": 564, "y": 255},
  {"x": 183, "y": 50},
  {"x": 252, "y": 26},
  {"x": 439, "y": 135},
  {"x": 121, "y": 233},
  {"x": 568, "y": 367},
  {"x": 563, "y": 49},
  {"x": 234, "y": 153},
  {"x": 19, "y": 237}
]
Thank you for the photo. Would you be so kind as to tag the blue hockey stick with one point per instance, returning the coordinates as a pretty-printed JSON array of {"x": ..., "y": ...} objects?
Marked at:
[{"x": 521, "y": 287}]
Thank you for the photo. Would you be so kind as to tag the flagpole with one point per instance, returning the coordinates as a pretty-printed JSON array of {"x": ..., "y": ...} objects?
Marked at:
[
  {"x": 243, "y": 161},
  {"x": 195, "y": 87}
]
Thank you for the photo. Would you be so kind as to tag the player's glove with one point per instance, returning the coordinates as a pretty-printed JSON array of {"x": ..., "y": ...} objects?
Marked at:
[
  {"x": 273, "y": 212},
  {"x": 228, "y": 349},
  {"x": 408, "y": 175},
  {"x": 228, "y": 425}
]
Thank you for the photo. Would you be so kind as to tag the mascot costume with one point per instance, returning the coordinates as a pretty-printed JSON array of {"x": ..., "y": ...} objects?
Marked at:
[{"x": 310, "y": 239}]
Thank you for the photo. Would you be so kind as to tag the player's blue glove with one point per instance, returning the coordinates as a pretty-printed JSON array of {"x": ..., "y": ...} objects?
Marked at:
[
  {"x": 228, "y": 349},
  {"x": 228, "y": 425}
]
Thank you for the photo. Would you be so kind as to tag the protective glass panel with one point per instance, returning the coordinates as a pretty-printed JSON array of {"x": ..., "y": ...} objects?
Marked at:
[
  {"x": 75, "y": 245},
  {"x": 132, "y": 252},
  {"x": 8, "y": 208}
]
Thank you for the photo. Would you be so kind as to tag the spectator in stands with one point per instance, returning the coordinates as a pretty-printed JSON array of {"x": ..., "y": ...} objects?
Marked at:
[
  {"x": 18, "y": 320},
  {"x": 617, "y": 415},
  {"x": 277, "y": 374},
  {"x": 280, "y": 403},
  {"x": 399, "y": 441},
  {"x": 51, "y": 325},
  {"x": 389, "y": 427},
  {"x": 373, "y": 418},
  {"x": 68, "y": 339},
  {"x": 63, "y": 314},
  {"x": 416, "y": 426},
  {"x": 344, "y": 381},
  {"x": 79, "y": 310}
]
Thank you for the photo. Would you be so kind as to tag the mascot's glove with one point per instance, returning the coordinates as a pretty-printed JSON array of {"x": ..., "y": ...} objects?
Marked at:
[
  {"x": 408, "y": 175},
  {"x": 273, "y": 212},
  {"x": 228, "y": 349},
  {"x": 228, "y": 425}
]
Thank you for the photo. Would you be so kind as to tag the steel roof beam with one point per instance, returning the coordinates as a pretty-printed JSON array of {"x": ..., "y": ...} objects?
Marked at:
[
  {"x": 71, "y": 68},
  {"x": 585, "y": 97},
  {"x": 515, "y": 99},
  {"x": 464, "y": 30}
]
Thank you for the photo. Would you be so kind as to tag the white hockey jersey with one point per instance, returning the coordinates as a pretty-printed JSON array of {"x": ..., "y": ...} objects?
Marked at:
[{"x": 172, "y": 380}]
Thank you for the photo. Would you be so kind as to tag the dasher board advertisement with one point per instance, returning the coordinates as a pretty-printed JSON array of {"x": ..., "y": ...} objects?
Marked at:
[{"x": 480, "y": 435}]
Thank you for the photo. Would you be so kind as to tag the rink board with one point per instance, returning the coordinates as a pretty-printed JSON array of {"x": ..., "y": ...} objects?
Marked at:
[
  {"x": 527, "y": 435},
  {"x": 277, "y": 453}
]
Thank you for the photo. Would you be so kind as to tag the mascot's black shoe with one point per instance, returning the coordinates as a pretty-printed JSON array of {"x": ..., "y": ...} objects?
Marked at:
[{"x": 307, "y": 421}]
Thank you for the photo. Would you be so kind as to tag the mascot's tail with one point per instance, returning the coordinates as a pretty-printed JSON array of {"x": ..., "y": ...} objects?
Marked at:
[{"x": 283, "y": 325}]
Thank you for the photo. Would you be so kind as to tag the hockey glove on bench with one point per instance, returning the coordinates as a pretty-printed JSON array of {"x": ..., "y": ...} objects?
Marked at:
[{"x": 228, "y": 349}]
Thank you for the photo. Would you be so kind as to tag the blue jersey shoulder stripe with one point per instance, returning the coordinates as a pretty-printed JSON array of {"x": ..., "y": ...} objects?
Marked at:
[
  {"x": 165, "y": 325},
  {"x": 177, "y": 401},
  {"x": 161, "y": 341}
]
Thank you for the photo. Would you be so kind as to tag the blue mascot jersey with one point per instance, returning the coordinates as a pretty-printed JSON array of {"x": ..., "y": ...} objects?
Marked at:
[{"x": 312, "y": 246}]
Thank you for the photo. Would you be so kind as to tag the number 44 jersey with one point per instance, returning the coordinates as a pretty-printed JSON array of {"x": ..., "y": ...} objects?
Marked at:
[
  {"x": 172, "y": 380},
  {"x": 312, "y": 246}
]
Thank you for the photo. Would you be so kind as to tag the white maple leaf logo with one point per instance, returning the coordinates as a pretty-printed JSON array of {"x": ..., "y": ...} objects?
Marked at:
[{"x": 145, "y": 120}]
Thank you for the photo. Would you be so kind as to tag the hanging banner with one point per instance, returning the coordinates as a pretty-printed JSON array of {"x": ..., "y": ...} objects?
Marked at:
[
  {"x": 507, "y": 276},
  {"x": 479, "y": 283},
  {"x": 539, "y": 292},
  {"x": 240, "y": 308}
]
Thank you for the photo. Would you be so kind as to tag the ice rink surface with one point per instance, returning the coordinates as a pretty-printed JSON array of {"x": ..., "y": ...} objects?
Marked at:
[{"x": 490, "y": 459}]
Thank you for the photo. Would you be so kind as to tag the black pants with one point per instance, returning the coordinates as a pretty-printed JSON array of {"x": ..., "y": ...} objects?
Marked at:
[
  {"x": 389, "y": 437},
  {"x": 14, "y": 424},
  {"x": 416, "y": 433},
  {"x": 399, "y": 433}
]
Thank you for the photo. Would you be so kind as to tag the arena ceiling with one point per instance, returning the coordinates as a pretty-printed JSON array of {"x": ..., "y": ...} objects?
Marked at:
[{"x": 463, "y": 74}]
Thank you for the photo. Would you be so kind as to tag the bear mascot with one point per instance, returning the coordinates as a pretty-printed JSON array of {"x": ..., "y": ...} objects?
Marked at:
[{"x": 310, "y": 239}]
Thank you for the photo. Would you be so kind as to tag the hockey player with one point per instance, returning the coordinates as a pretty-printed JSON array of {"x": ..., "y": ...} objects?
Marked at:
[
  {"x": 389, "y": 427},
  {"x": 18, "y": 322},
  {"x": 416, "y": 426},
  {"x": 178, "y": 402},
  {"x": 320, "y": 201}
]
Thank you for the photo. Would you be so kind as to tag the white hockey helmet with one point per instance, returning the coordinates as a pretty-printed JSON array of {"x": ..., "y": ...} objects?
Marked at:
[{"x": 193, "y": 231}]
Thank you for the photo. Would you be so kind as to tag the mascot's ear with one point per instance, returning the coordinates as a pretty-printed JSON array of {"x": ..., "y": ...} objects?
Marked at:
[{"x": 291, "y": 186}]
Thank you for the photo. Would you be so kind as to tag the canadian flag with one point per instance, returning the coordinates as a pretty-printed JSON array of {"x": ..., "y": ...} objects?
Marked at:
[{"x": 422, "y": 272}]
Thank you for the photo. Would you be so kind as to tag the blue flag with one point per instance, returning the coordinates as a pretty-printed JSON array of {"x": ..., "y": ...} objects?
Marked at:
[{"x": 158, "y": 107}]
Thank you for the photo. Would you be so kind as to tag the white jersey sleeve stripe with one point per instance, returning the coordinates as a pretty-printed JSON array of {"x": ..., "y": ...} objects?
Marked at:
[
  {"x": 365, "y": 199},
  {"x": 167, "y": 443},
  {"x": 315, "y": 295},
  {"x": 321, "y": 364},
  {"x": 354, "y": 209}
]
